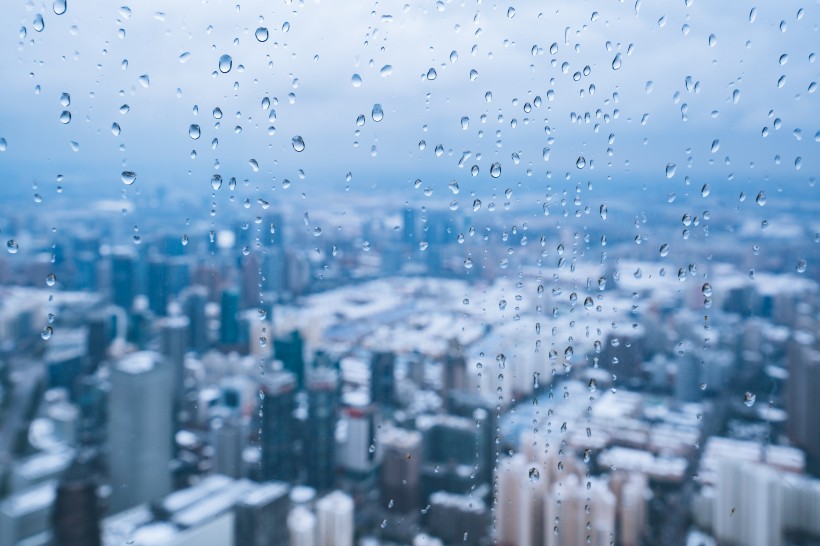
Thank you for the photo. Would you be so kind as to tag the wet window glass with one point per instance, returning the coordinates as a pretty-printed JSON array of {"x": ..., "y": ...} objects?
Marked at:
[{"x": 431, "y": 273}]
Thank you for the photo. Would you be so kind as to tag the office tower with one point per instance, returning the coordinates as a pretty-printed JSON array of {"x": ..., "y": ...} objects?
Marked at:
[
  {"x": 577, "y": 515},
  {"x": 458, "y": 519},
  {"x": 382, "y": 381},
  {"x": 520, "y": 487},
  {"x": 99, "y": 338},
  {"x": 320, "y": 433},
  {"x": 408, "y": 233},
  {"x": 335, "y": 515},
  {"x": 158, "y": 285},
  {"x": 273, "y": 270},
  {"x": 123, "y": 277},
  {"x": 359, "y": 453},
  {"x": 631, "y": 491},
  {"x": 229, "y": 320},
  {"x": 802, "y": 400},
  {"x": 92, "y": 399},
  {"x": 484, "y": 414},
  {"x": 290, "y": 351},
  {"x": 76, "y": 513},
  {"x": 174, "y": 346},
  {"x": 454, "y": 370},
  {"x": 453, "y": 454},
  {"x": 194, "y": 300},
  {"x": 297, "y": 271},
  {"x": 623, "y": 355},
  {"x": 278, "y": 427},
  {"x": 302, "y": 527},
  {"x": 687, "y": 377},
  {"x": 179, "y": 275},
  {"x": 748, "y": 506},
  {"x": 262, "y": 517},
  {"x": 400, "y": 474},
  {"x": 251, "y": 276},
  {"x": 228, "y": 445},
  {"x": 140, "y": 417}
]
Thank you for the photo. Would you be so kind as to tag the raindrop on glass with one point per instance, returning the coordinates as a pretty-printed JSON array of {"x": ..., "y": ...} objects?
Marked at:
[
  {"x": 128, "y": 177},
  {"x": 225, "y": 64}
]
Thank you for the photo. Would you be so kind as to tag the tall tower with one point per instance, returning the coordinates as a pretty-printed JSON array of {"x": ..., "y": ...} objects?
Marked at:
[
  {"x": 123, "y": 277},
  {"x": 76, "y": 514},
  {"x": 278, "y": 427},
  {"x": 382, "y": 382},
  {"x": 174, "y": 345},
  {"x": 323, "y": 402},
  {"x": 140, "y": 417},
  {"x": 335, "y": 515},
  {"x": 229, "y": 321},
  {"x": 802, "y": 401},
  {"x": 400, "y": 475},
  {"x": 261, "y": 517},
  {"x": 158, "y": 285},
  {"x": 520, "y": 490}
]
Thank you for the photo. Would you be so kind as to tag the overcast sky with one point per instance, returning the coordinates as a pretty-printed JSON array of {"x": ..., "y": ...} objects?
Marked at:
[{"x": 162, "y": 60}]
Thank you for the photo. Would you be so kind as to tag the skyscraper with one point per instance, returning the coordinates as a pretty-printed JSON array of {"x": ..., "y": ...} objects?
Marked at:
[
  {"x": 194, "y": 299},
  {"x": 158, "y": 285},
  {"x": 76, "y": 513},
  {"x": 262, "y": 517},
  {"x": 290, "y": 351},
  {"x": 320, "y": 434},
  {"x": 382, "y": 381},
  {"x": 229, "y": 320},
  {"x": 802, "y": 400},
  {"x": 174, "y": 345},
  {"x": 140, "y": 417},
  {"x": 335, "y": 515},
  {"x": 123, "y": 277},
  {"x": 278, "y": 427},
  {"x": 302, "y": 527},
  {"x": 400, "y": 474},
  {"x": 520, "y": 490},
  {"x": 748, "y": 507}
]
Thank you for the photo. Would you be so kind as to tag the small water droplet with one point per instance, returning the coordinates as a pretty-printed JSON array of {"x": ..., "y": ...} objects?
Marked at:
[
  {"x": 216, "y": 181},
  {"x": 670, "y": 170},
  {"x": 47, "y": 333},
  {"x": 495, "y": 170},
  {"x": 616, "y": 62},
  {"x": 145, "y": 80},
  {"x": 225, "y": 64},
  {"x": 65, "y": 117},
  {"x": 431, "y": 74},
  {"x": 51, "y": 279},
  {"x": 261, "y": 34},
  {"x": 298, "y": 143},
  {"x": 128, "y": 177},
  {"x": 12, "y": 246},
  {"x": 377, "y": 113},
  {"x": 3, "y": 144},
  {"x": 581, "y": 162},
  {"x": 194, "y": 132},
  {"x": 749, "y": 399},
  {"x": 801, "y": 265},
  {"x": 760, "y": 199},
  {"x": 38, "y": 23},
  {"x": 535, "y": 475},
  {"x": 356, "y": 80}
]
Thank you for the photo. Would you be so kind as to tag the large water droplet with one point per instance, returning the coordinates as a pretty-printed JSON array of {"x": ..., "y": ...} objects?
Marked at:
[
  {"x": 801, "y": 265},
  {"x": 194, "y": 131},
  {"x": 581, "y": 162},
  {"x": 51, "y": 279},
  {"x": 616, "y": 62},
  {"x": 261, "y": 34},
  {"x": 356, "y": 80},
  {"x": 216, "y": 181},
  {"x": 664, "y": 250},
  {"x": 47, "y": 333},
  {"x": 3, "y": 144},
  {"x": 431, "y": 74},
  {"x": 298, "y": 143},
  {"x": 386, "y": 70},
  {"x": 760, "y": 199},
  {"x": 12, "y": 246},
  {"x": 65, "y": 117},
  {"x": 59, "y": 6},
  {"x": 225, "y": 64},
  {"x": 534, "y": 474},
  {"x": 128, "y": 177},
  {"x": 377, "y": 114},
  {"x": 115, "y": 129},
  {"x": 495, "y": 170},
  {"x": 38, "y": 24},
  {"x": 145, "y": 81},
  {"x": 670, "y": 170},
  {"x": 65, "y": 99},
  {"x": 749, "y": 399}
]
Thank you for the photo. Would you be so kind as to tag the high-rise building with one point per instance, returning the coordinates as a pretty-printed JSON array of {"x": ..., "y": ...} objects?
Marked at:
[
  {"x": 194, "y": 300},
  {"x": 400, "y": 474},
  {"x": 520, "y": 490},
  {"x": 576, "y": 514},
  {"x": 748, "y": 507},
  {"x": 320, "y": 433},
  {"x": 359, "y": 453},
  {"x": 382, "y": 381},
  {"x": 453, "y": 454},
  {"x": 123, "y": 277},
  {"x": 262, "y": 517},
  {"x": 229, "y": 319},
  {"x": 76, "y": 513},
  {"x": 458, "y": 519},
  {"x": 139, "y": 442},
  {"x": 278, "y": 427},
  {"x": 158, "y": 285},
  {"x": 302, "y": 527},
  {"x": 290, "y": 351},
  {"x": 454, "y": 370},
  {"x": 802, "y": 400},
  {"x": 174, "y": 346},
  {"x": 688, "y": 376},
  {"x": 228, "y": 445},
  {"x": 335, "y": 519}
]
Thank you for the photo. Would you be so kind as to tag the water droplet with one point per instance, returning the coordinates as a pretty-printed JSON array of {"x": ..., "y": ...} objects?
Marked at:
[
  {"x": 706, "y": 289},
  {"x": 749, "y": 399},
  {"x": 670, "y": 170},
  {"x": 386, "y": 70},
  {"x": 581, "y": 162},
  {"x": 65, "y": 117},
  {"x": 47, "y": 333},
  {"x": 216, "y": 181},
  {"x": 377, "y": 113},
  {"x": 128, "y": 177},
  {"x": 356, "y": 80},
  {"x": 194, "y": 131},
  {"x": 51, "y": 279},
  {"x": 715, "y": 146},
  {"x": 38, "y": 24},
  {"x": 712, "y": 40},
  {"x": 495, "y": 170},
  {"x": 760, "y": 199},
  {"x": 59, "y": 6},
  {"x": 115, "y": 129},
  {"x": 616, "y": 62},
  {"x": 535, "y": 475},
  {"x": 468, "y": 263},
  {"x": 664, "y": 250},
  {"x": 298, "y": 143},
  {"x": 65, "y": 99},
  {"x": 801, "y": 265},
  {"x": 705, "y": 190},
  {"x": 261, "y": 34},
  {"x": 510, "y": 12},
  {"x": 12, "y": 246},
  {"x": 145, "y": 81},
  {"x": 184, "y": 56},
  {"x": 423, "y": 245},
  {"x": 217, "y": 113},
  {"x": 3, "y": 144},
  {"x": 431, "y": 74},
  {"x": 225, "y": 64}
]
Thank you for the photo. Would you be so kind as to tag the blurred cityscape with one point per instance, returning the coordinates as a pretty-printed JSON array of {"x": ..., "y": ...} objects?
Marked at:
[{"x": 398, "y": 374}]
